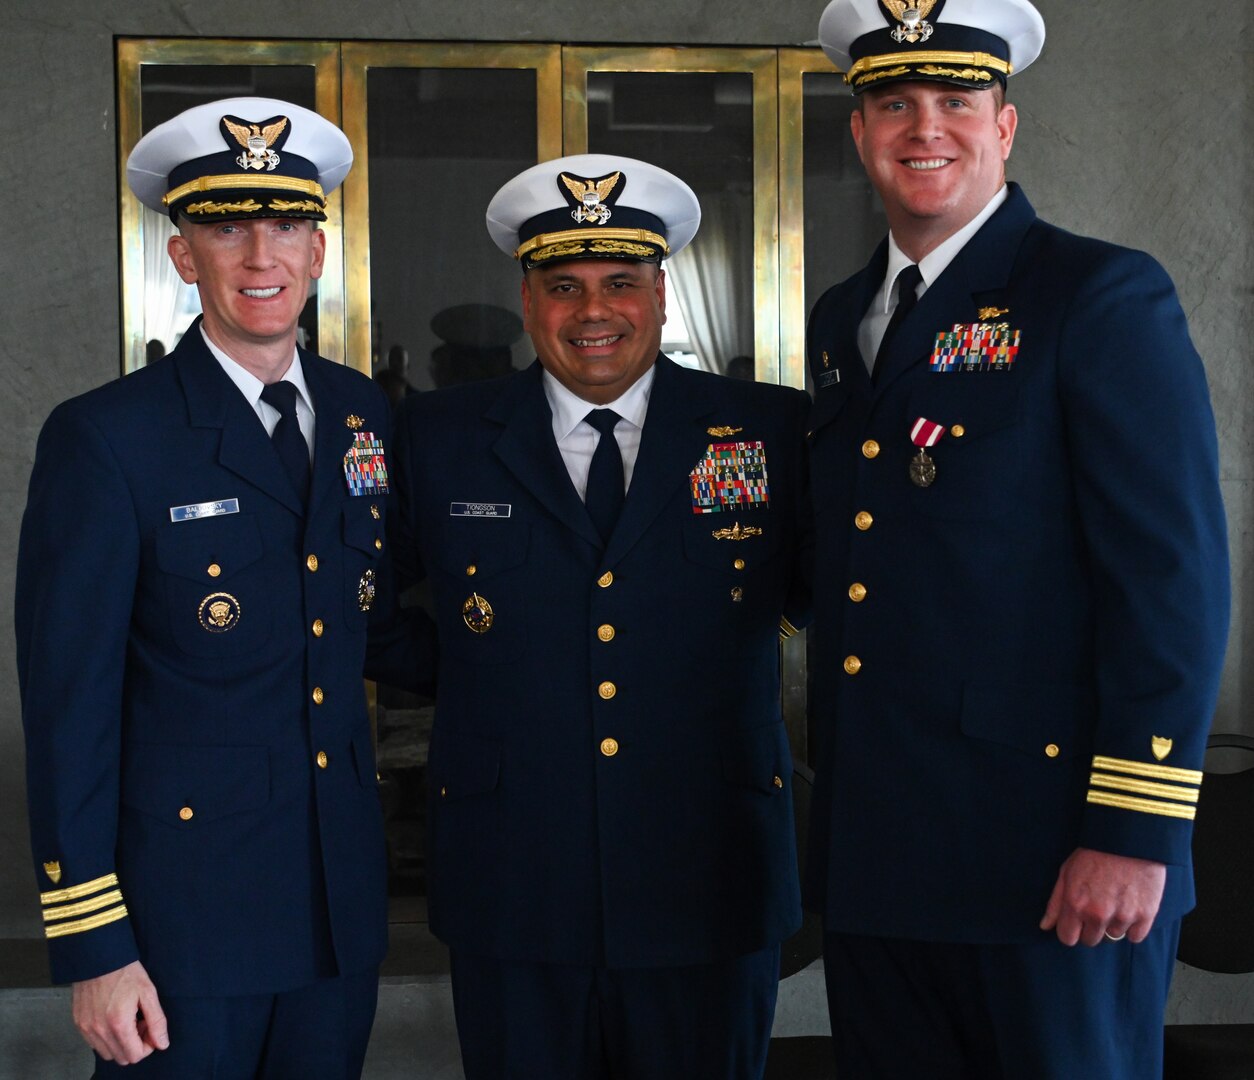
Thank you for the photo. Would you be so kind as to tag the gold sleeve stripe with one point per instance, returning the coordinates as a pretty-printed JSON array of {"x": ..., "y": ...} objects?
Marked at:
[
  {"x": 1144, "y": 787},
  {"x": 77, "y": 892},
  {"x": 1144, "y": 806},
  {"x": 1144, "y": 768},
  {"x": 82, "y": 925},
  {"x": 786, "y": 629},
  {"x": 71, "y": 911}
]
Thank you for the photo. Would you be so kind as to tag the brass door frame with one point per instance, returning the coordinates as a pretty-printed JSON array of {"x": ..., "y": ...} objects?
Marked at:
[
  {"x": 760, "y": 63},
  {"x": 132, "y": 55},
  {"x": 357, "y": 60}
]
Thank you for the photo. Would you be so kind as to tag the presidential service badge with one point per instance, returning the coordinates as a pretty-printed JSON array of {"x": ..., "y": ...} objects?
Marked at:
[{"x": 219, "y": 612}]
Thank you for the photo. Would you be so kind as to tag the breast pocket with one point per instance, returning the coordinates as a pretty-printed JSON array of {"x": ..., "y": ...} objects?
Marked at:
[
  {"x": 363, "y": 530},
  {"x": 978, "y": 461},
  {"x": 213, "y": 578},
  {"x": 482, "y": 588}
]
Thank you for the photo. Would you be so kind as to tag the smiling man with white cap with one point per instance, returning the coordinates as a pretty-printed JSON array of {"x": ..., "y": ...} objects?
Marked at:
[
  {"x": 1021, "y": 592},
  {"x": 611, "y": 544},
  {"x": 200, "y": 556}
]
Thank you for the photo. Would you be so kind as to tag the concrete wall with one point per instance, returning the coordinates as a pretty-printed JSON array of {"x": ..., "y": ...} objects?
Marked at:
[{"x": 1135, "y": 125}]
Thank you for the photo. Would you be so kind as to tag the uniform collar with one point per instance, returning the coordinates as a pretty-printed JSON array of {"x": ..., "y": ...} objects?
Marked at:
[
  {"x": 569, "y": 409},
  {"x": 251, "y": 386}
]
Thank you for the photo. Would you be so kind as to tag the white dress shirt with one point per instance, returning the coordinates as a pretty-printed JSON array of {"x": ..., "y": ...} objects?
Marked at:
[
  {"x": 931, "y": 266},
  {"x": 251, "y": 386},
  {"x": 577, "y": 440}
]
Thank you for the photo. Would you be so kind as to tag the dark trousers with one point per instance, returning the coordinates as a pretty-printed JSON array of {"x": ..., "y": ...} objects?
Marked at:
[
  {"x": 522, "y": 1021},
  {"x": 316, "y": 1032},
  {"x": 916, "y": 1010}
]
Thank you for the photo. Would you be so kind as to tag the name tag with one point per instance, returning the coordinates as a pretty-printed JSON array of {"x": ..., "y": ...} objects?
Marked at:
[
  {"x": 827, "y": 379},
  {"x": 202, "y": 510},
  {"x": 479, "y": 509}
]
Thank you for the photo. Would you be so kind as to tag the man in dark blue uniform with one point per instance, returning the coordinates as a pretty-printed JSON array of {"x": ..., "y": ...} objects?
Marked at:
[
  {"x": 611, "y": 543},
  {"x": 1021, "y": 592},
  {"x": 200, "y": 554}
]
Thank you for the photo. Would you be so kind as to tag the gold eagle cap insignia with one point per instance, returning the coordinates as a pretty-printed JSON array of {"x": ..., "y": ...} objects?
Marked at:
[
  {"x": 912, "y": 24},
  {"x": 590, "y": 196},
  {"x": 53, "y": 870},
  {"x": 900, "y": 7},
  {"x": 1161, "y": 747},
  {"x": 244, "y": 132}
]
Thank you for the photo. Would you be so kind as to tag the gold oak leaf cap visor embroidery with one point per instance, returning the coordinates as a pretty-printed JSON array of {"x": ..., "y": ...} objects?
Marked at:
[
  {"x": 971, "y": 43},
  {"x": 239, "y": 159},
  {"x": 593, "y": 206}
]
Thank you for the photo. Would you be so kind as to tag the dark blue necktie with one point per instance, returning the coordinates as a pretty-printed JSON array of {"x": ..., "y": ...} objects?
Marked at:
[
  {"x": 907, "y": 296},
  {"x": 288, "y": 441},
  {"x": 604, "y": 497}
]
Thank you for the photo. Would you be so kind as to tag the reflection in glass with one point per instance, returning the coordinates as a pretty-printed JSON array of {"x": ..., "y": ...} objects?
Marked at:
[
  {"x": 168, "y": 89},
  {"x": 444, "y": 300},
  {"x": 698, "y": 125},
  {"x": 843, "y": 217}
]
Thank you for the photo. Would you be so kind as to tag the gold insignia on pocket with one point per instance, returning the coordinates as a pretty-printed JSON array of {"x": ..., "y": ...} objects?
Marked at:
[
  {"x": 1160, "y": 746},
  {"x": 986, "y": 313},
  {"x": 736, "y": 532},
  {"x": 354, "y": 421},
  {"x": 827, "y": 360},
  {"x": 722, "y": 431},
  {"x": 366, "y": 591},
  {"x": 219, "y": 612},
  {"x": 53, "y": 870},
  {"x": 477, "y": 614}
]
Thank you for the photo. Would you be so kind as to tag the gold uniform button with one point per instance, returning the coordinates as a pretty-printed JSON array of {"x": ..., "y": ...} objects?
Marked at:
[
  {"x": 852, "y": 665},
  {"x": 378, "y": 544},
  {"x": 739, "y": 564},
  {"x": 870, "y": 449},
  {"x": 321, "y": 759},
  {"x": 312, "y": 563},
  {"x": 957, "y": 431},
  {"x": 863, "y": 520},
  {"x": 607, "y": 690},
  {"x": 214, "y": 570},
  {"x": 857, "y": 592},
  {"x": 472, "y": 570},
  {"x": 186, "y": 813},
  {"x": 609, "y": 747},
  {"x": 318, "y": 628},
  {"x": 778, "y": 782},
  {"x": 318, "y": 695},
  {"x": 605, "y": 632},
  {"x": 374, "y": 513},
  {"x": 1052, "y": 750},
  {"x": 606, "y": 580}
]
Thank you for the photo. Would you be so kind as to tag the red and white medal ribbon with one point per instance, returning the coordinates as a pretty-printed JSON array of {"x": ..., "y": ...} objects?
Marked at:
[{"x": 926, "y": 433}]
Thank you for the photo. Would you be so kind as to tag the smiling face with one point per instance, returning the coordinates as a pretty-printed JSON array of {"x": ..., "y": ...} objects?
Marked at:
[
  {"x": 596, "y": 323},
  {"x": 935, "y": 153},
  {"x": 253, "y": 278}
]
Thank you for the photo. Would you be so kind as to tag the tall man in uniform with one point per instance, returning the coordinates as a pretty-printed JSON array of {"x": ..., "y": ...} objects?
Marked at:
[
  {"x": 200, "y": 552},
  {"x": 1021, "y": 592},
  {"x": 611, "y": 542}
]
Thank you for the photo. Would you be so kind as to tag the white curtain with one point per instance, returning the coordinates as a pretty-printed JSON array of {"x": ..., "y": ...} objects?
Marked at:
[
  {"x": 713, "y": 291},
  {"x": 167, "y": 300}
]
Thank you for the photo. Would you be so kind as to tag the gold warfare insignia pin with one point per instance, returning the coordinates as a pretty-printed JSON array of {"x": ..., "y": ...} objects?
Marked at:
[
  {"x": 366, "y": 590},
  {"x": 737, "y": 532},
  {"x": 827, "y": 360},
  {"x": 477, "y": 614},
  {"x": 590, "y": 197},
  {"x": 722, "y": 431},
  {"x": 219, "y": 612},
  {"x": 1161, "y": 747},
  {"x": 986, "y": 313},
  {"x": 53, "y": 870},
  {"x": 256, "y": 141},
  {"x": 354, "y": 421}
]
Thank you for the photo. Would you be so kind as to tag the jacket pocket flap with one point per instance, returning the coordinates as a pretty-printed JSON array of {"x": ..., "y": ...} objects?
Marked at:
[
  {"x": 759, "y": 759},
  {"x": 188, "y": 548},
  {"x": 188, "y": 786},
  {"x": 462, "y": 768},
  {"x": 1043, "y": 721}
]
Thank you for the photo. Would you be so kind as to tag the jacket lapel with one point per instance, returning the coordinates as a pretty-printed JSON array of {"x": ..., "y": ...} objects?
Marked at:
[
  {"x": 673, "y": 441},
  {"x": 213, "y": 401},
  {"x": 983, "y": 265},
  {"x": 527, "y": 448}
]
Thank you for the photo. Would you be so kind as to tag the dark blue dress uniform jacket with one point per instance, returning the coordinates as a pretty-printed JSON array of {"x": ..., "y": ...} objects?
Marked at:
[
  {"x": 173, "y": 770},
  {"x": 609, "y": 773},
  {"x": 1042, "y": 629}
]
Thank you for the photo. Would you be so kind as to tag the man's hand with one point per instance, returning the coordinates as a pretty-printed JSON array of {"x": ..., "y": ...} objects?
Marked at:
[
  {"x": 1100, "y": 894},
  {"x": 119, "y": 1015}
]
